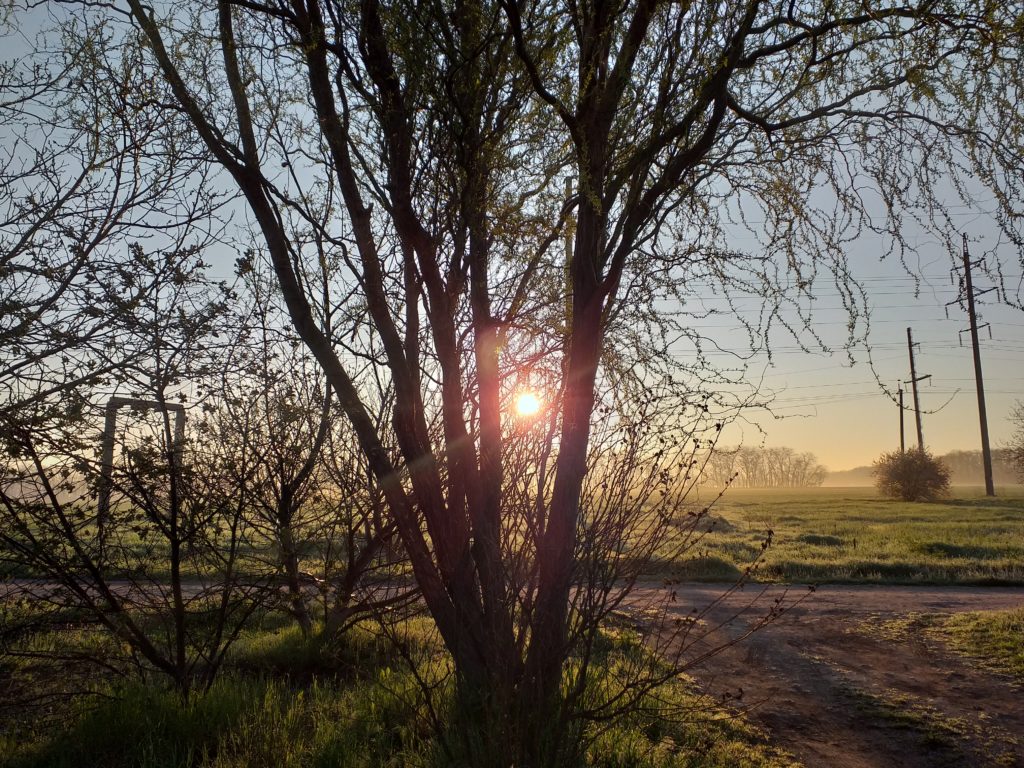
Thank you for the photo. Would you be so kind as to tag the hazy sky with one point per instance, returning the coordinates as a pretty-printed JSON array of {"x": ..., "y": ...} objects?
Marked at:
[{"x": 839, "y": 411}]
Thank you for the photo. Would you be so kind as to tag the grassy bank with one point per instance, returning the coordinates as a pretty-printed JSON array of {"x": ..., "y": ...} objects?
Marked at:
[{"x": 852, "y": 535}]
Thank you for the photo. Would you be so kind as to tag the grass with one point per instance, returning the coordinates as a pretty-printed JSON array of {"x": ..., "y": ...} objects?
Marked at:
[
  {"x": 240, "y": 721},
  {"x": 838, "y": 535},
  {"x": 995, "y": 638},
  {"x": 947, "y": 740},
  {"x": 965, "y": 738},
  {"x": 291, "y": 702},
  {"x": 900, "y": 710},
  {"x": 284, "y": 700},
  {"x": 689, "y": 730},
  {"x": 992, "y": 639},
  {"x": 850, "y": 535}
]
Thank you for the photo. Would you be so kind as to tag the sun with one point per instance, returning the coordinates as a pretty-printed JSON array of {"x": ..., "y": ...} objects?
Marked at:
[{"x": 527, "y": 404}]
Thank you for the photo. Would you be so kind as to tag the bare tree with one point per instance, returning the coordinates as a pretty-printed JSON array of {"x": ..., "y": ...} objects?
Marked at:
[
  {"x": 81, "y": 174},
  {"x": 763, "y": 468},
  {"x": 313, "y": 500}
]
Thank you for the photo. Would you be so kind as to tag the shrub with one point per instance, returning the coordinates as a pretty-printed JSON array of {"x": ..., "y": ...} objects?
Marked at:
[{"x": 914, "y": 475}]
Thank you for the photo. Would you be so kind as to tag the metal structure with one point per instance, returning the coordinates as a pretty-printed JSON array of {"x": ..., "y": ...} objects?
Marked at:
[{"x": 107, "y": 458}]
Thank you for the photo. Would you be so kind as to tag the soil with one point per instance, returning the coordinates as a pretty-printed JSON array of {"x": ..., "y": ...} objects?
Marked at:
[{"x": 835, "y": 686}]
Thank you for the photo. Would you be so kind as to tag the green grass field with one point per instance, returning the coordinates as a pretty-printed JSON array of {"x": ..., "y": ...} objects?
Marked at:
[{"x": 850, "y": 535}]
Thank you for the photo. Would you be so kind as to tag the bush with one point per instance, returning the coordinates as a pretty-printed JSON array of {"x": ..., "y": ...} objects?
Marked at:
[{"x": 914, "y": 475}]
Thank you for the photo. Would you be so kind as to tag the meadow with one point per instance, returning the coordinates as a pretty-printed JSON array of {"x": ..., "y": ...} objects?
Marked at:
[{"x": 851, "y": 535}]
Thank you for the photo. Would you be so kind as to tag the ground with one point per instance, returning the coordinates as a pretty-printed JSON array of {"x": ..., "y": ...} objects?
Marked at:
[
  {"x": 843, "y": 680},
  {"x": 852, "y": 675}
]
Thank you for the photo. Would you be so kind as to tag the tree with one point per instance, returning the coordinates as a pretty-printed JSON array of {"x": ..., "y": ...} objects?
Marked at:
[
  {"x": 1016, "y": 446},
  {"x": 914, "y": 475},
  {"x": 84, "y": 178},
  {"x": 79, "y": 178},
  {"x": 311, "y": 498},
  {"x": 423, "y": 151},
  {"x": 160, "y": 566},
  {"x": 763, "y": 468},
  {"x": 968, "y": 467}
]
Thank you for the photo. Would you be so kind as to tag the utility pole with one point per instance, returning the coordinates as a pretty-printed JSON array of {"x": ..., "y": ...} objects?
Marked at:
[
  {"x": 903, "y": 442},
  {"x": 914, "y": 378},
  {"x": 986, "y": 451}
]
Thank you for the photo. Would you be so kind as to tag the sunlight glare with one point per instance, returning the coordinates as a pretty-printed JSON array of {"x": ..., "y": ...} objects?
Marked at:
[{"x": 527, "y": 404}]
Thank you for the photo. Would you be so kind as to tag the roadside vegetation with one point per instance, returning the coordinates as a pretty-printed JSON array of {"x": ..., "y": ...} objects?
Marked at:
[
  {"x": 994, "y": 638},
  {"x": 288, "y": 700}
]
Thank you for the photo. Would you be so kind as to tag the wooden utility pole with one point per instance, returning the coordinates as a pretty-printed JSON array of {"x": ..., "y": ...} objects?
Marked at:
[
  {"x": 903, "y": 442},
  {"x": 986, "y": 451},
  {"x": 914, "y": 378}
]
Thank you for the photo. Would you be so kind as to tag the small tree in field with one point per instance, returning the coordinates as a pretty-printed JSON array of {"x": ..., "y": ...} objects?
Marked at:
[{"x": 914, "y": 475}]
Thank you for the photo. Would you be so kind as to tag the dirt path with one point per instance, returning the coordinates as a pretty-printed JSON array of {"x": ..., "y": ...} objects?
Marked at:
[{"x": 837, "y": 690}]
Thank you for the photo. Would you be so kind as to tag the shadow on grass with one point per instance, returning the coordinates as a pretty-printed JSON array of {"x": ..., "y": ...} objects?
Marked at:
[
  {"x": 983, "y": 502},
  {"x": 946, "y": 550},
  {"x": 706, "y": 568},
  {"x": 820, "y": 540},
  {"x": 875, "y": 572}
]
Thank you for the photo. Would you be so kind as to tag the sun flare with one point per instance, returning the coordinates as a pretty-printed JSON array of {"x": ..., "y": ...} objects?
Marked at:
[{"x": 527, "y": 404}]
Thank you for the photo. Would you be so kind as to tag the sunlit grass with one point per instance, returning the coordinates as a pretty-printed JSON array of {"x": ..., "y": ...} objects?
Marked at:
[
  {"x": 994, "y": 638},
  {"x": 852, "y": 535}
]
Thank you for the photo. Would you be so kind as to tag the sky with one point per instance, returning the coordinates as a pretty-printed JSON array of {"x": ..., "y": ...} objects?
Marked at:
[{"x": 839, "y": 412}]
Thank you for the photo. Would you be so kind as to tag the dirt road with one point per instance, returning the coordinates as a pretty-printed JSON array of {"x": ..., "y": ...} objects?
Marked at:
[{"x": 837, "y": 688}]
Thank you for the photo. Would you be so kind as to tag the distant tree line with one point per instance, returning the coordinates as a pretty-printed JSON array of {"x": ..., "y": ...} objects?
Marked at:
[
  {"x": 1015, "y": 448},
  {"x": 965, "y": 467},
  {"x": 764, "y": 467}
]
